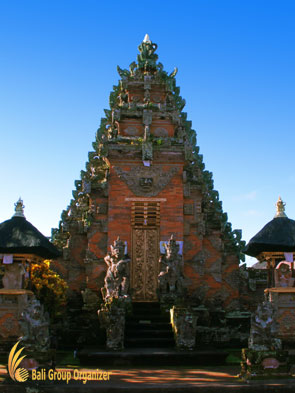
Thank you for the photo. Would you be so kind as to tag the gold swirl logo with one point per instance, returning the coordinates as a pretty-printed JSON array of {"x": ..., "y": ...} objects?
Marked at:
[{"x": 14, "y": 359}]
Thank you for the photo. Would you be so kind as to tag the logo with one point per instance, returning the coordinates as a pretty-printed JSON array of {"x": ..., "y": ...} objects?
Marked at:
[{"x": 14, "y": 359}]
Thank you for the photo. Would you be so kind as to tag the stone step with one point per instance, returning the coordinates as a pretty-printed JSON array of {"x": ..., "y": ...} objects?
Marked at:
[
  {"x": 152, "y": 342},
  {"x": 90, "y": 356},
  {"x": 135, "y": 332},
  {"x": 149, "y": 334},
  {"x": 150, "y": 318},
  {"x": 143, "y": 326}
]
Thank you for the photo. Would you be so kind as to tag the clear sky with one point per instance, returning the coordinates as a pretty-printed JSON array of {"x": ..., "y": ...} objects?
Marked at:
[{"x": 236, "y": 66}]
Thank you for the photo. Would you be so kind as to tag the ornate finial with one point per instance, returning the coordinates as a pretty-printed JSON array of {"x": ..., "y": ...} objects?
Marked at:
[
  {"x": 147, "y": 58},
  {"x": 19, "y": 208},
  {"x": 280, "y": 208},
  {"x": 147, "y": 39}
]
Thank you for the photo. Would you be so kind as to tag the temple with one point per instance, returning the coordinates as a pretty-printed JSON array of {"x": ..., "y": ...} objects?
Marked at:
[{"x": 145, "y": 182}]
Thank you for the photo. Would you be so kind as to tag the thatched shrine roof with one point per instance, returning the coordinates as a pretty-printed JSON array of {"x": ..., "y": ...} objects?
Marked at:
[
  {"x": 278, "y": 235},
  {"x": 19, "y": 236}
]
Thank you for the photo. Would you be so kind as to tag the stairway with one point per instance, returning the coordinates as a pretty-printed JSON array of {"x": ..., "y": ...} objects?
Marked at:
[
  {"x": 149, "y": 342},
  {"x": 148, "y": 327}
]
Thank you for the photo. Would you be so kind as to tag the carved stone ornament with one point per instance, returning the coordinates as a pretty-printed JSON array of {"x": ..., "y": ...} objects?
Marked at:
[
  {"x": 264, "y": 329},
  {"x": 34, "y": 324},
  {"x": 155, "y": 174}
]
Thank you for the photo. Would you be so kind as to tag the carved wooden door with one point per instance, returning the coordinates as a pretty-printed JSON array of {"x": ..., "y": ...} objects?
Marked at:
[{"x": 145, "y": 264}]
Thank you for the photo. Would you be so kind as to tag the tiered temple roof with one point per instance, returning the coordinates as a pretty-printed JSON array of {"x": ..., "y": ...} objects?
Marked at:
[{"x": 126, "y": 102}]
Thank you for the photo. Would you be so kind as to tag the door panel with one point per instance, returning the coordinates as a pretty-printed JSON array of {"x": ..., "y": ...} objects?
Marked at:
[{"x": 144, "y": 264}]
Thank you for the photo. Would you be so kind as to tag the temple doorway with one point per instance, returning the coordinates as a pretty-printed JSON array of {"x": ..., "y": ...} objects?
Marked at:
[{"x": 145, "y": 264}]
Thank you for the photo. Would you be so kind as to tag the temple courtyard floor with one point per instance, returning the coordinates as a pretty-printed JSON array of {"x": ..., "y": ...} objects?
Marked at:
[
  {"x": 99, "y": 373},
  {"x": 166, "y": 379}
]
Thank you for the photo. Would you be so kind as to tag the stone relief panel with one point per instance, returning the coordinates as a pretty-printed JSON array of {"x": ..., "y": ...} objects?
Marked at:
[
  {"x": 161, "y": 132},
  {"x": 146, "y": 181}
]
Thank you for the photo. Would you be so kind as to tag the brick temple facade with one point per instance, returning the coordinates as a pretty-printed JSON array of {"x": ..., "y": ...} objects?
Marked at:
[{"x": 144, "y": 181}]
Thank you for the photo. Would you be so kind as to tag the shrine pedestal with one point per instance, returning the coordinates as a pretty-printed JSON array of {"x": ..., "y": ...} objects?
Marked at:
[
  {"x": 283, "y": 301},
  {"x": 12, "y": 304}
]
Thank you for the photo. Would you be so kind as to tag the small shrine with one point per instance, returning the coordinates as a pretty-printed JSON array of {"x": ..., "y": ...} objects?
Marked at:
[
  {"x": 21, "y": 314},
  {"x": 273, "y": 323}
]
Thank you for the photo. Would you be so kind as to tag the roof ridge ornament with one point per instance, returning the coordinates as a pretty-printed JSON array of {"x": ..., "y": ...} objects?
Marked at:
[
  {"x": 280, "y": 205},
  {"x": 147, "y": 39},
  {"x": 147, "y": 59},
  {"x": 19, "y": 208}
]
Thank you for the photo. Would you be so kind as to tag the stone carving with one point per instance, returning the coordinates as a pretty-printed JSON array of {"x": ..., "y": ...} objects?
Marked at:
[
  {"x": 156, "y": 173},
  {"x": 264, "y": 329},
  {"x": 34, "y": 325},
  {"x": 264, "y": 358},
  {"x": 147, "y": 117},
  {"x": 112, "y": 317},
  {"x": 147, "y": 57},
  {"x": 13, "y": 276},
  {"x": 161, "y": 132},
  {"x": 171, "y": 276},
  {"x": 283, "y": 275},
  {"x": 132, "y": 131},
  {"x": 147, "y": 148},
  {"x": 117, "y": 276},
  {"x": 146, "y": 183},
  {"x": 184, "y": 324}
]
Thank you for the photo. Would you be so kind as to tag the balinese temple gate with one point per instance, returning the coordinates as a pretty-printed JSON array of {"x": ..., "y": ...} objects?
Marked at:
[{"x": 146, "y": 192}]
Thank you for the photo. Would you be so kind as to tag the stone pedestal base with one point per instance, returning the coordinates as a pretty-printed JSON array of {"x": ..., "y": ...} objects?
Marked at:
[
  {"x": 264, "y": 364},
  {"x": 114, "y": 323},
  {"x": 12, "y": 304},
  {"x": 283, "y": 301},
  {"x": 184, "y": 324}
]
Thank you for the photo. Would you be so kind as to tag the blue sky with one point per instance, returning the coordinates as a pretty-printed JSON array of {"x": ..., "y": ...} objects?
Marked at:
[{"x": 236, "y": 66}]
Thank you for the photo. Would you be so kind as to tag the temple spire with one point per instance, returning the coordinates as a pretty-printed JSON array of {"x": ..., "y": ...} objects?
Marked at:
[
  {"x": 19, "y": 208},
  {"x": 280, "y": 208}
]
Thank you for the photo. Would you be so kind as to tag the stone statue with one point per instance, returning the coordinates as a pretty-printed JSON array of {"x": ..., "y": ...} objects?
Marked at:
[
  {"x": 117, "y": 276},
  {"x": 34, "y": 325},
  {"x": 13, "y": 276},
  {"x": 283, "y": 275},
  {"x": 264, "y": 329},
  {"x": 171, "y": 265}
]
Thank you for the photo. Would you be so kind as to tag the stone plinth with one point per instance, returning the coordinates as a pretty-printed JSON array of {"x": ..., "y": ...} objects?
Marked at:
[
  {"x": 283, "y": 300},
  {"x": 184, "y": 324},
  {"x": 12, "y": 304}
]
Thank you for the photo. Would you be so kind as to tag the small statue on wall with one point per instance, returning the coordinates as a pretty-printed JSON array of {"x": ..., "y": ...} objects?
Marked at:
[
  {"x": 171, "y": 265},
  {"x": 283, "y": 275},
  {"x": 117, "y": 276},
  {"x": 13, "y": 276}
]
